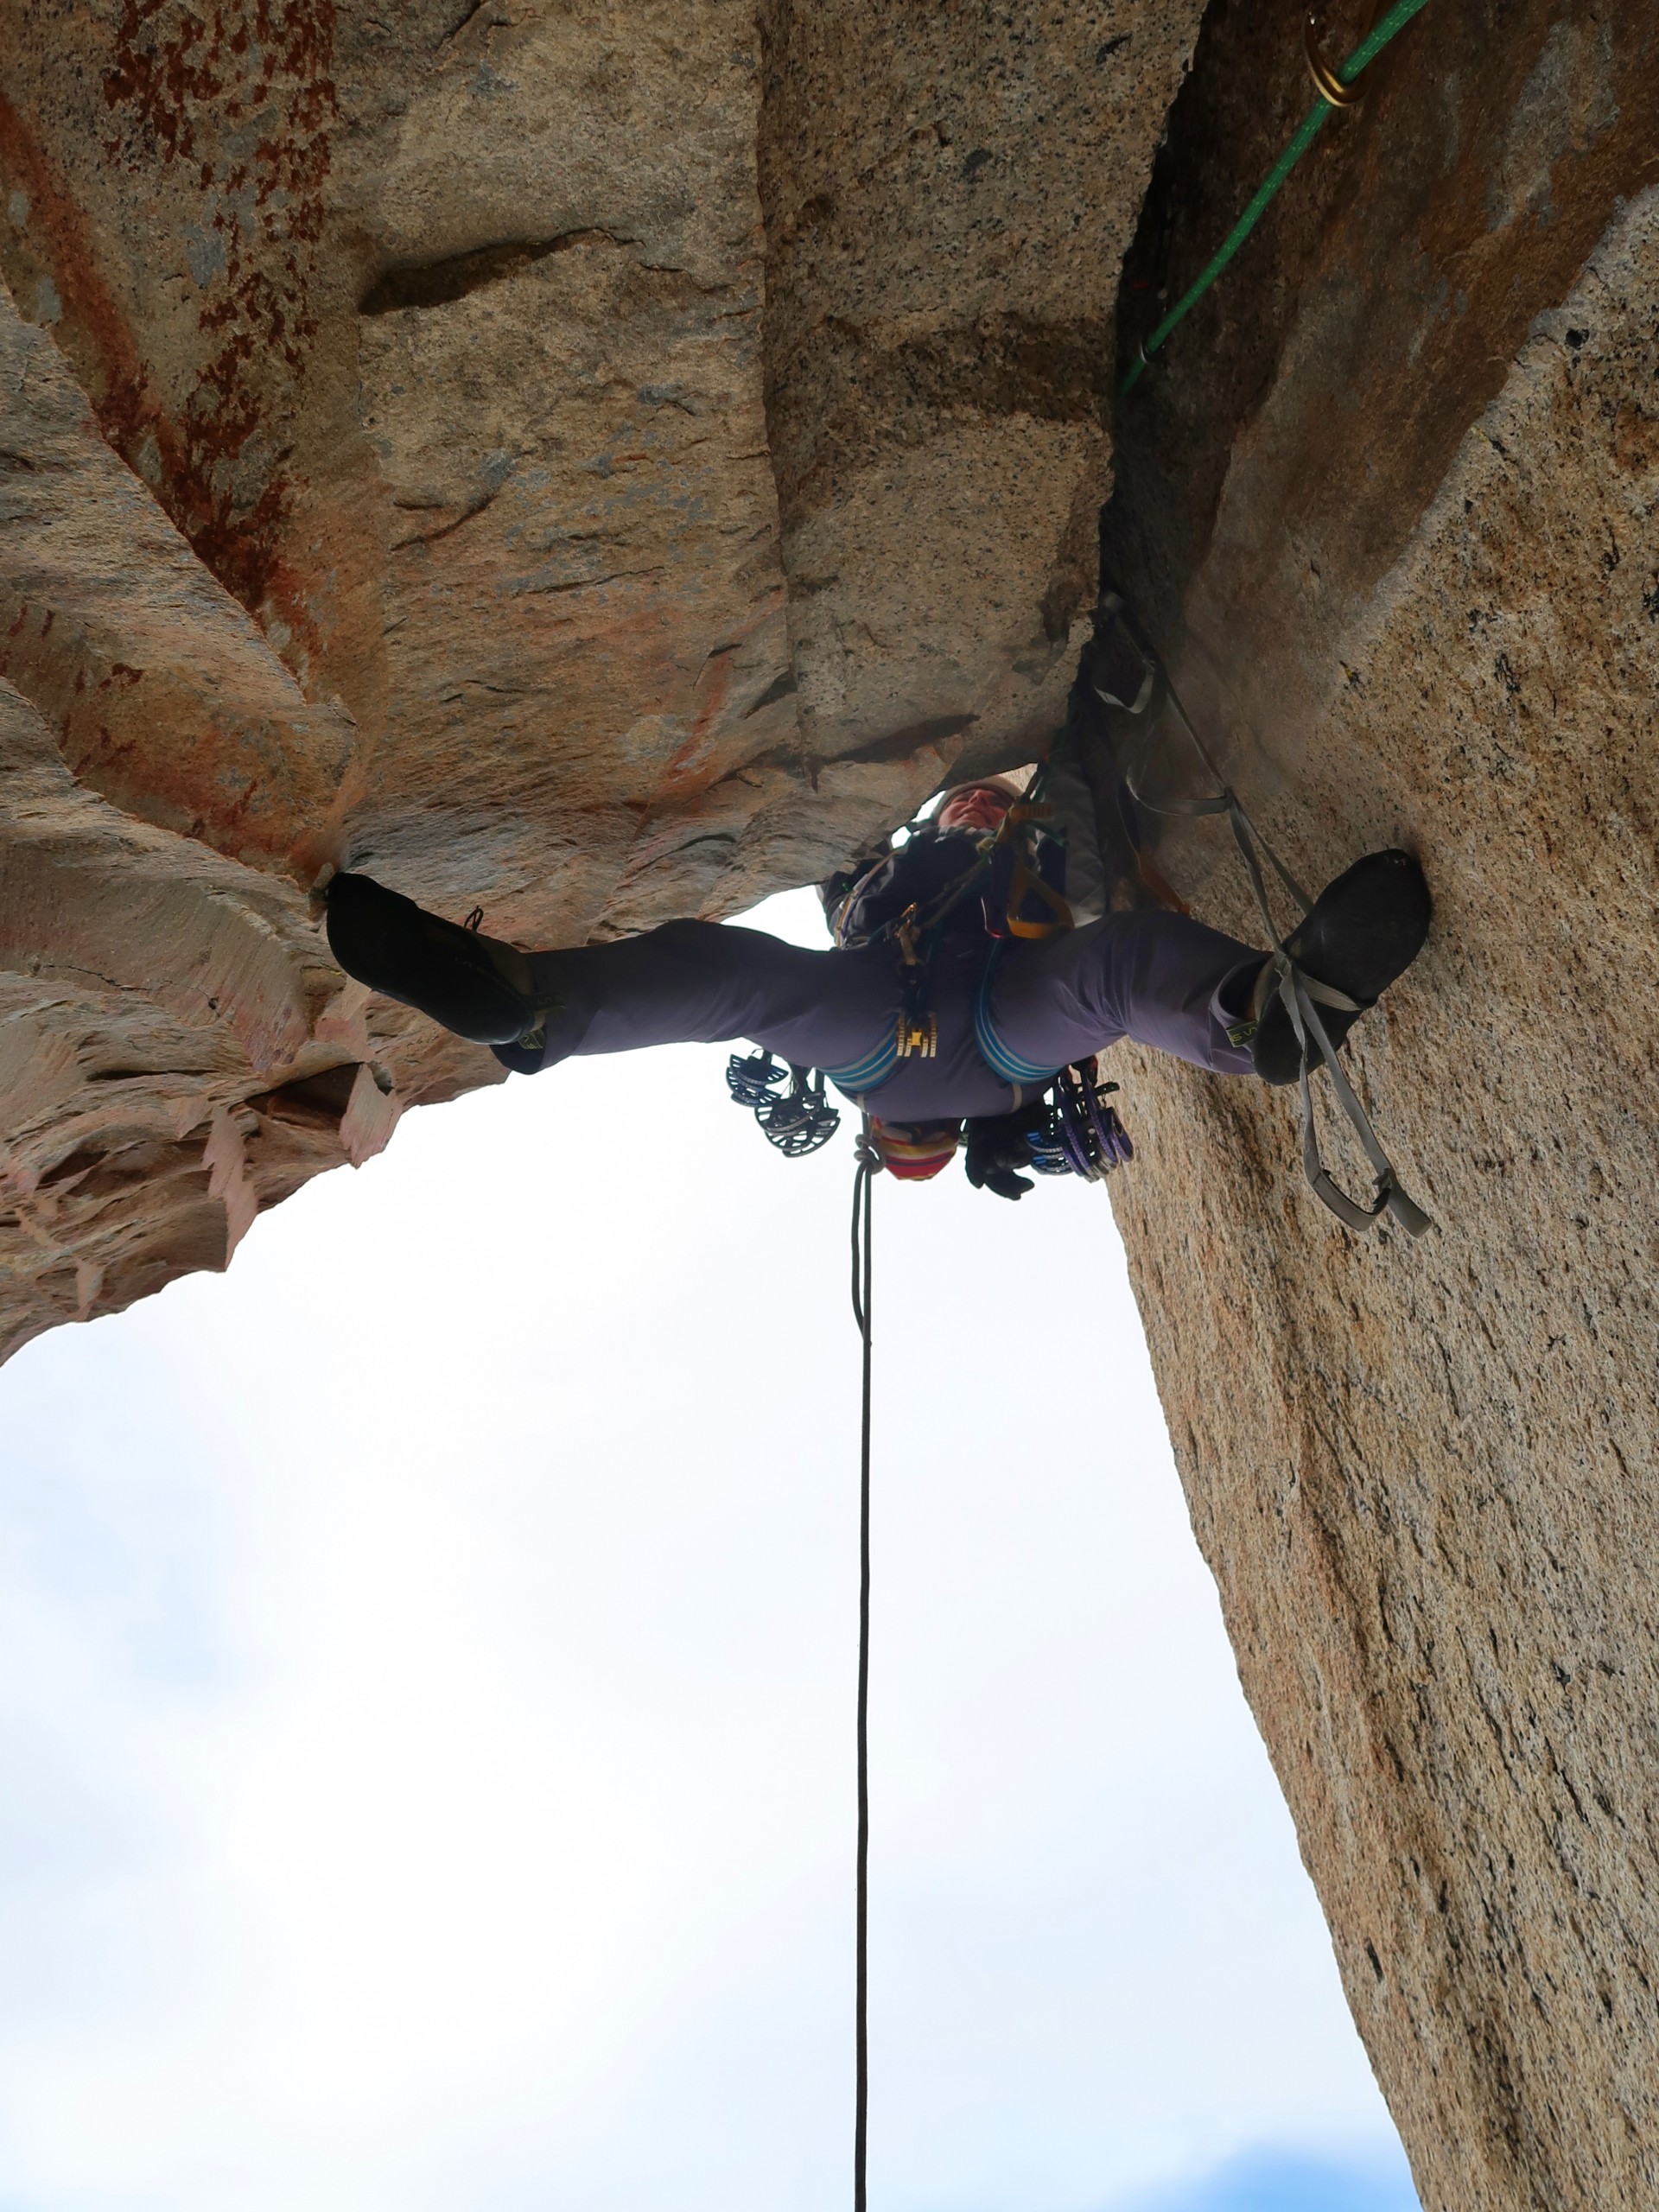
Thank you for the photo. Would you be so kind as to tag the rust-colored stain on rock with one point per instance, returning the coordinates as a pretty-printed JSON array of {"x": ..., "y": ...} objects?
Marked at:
[{"x": 439, "y": 352}]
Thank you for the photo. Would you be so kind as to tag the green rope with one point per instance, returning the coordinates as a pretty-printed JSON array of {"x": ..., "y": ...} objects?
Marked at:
[{"x": 1396, "y": 19}]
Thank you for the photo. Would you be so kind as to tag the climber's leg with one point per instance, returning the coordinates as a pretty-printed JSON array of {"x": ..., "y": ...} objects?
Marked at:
[
  {"x": 1162, "y": 979},
  {"x": 689, "y": 982},
  {"x": 1159, "y": 978},
  {"x": 709, "y": 983}
]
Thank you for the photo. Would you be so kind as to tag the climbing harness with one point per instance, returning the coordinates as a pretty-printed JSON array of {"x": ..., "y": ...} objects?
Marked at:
[
  {"x": 905, "y": 897},
  {"x": 902, "y": 898},
  {"x": 869, "y": 1164},
  {"x": 1303, "y": 994},
  {"x": 797, "y": 1121},
  {"x": 1334, "y": 91}
]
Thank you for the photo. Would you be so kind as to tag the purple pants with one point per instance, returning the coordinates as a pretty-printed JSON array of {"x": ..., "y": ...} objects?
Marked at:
[{"x": 1010, "y": 1014}]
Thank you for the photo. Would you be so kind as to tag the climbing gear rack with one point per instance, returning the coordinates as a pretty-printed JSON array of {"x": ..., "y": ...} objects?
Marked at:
[
  {"x": 797, "y": 1121},
  {"x": 1083, "y": 1136}
]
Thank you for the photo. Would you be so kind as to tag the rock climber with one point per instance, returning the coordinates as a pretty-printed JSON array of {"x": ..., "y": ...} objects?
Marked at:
[{"x": 995, "y": 1019}]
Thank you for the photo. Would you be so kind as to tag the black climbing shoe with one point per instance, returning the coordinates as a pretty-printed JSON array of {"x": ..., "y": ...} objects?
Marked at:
[
  {"x": 474, "y": 986},
  {"x": 1364, "y": 930}
]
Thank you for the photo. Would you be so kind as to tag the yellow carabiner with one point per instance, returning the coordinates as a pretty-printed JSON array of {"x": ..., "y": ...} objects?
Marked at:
[
  {"x": 1327, "y": 83},
  {"x": 1023, "y": 880}
]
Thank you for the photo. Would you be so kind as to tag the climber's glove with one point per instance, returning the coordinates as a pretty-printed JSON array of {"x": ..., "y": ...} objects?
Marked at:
[{"x": 999, "y": 1145}]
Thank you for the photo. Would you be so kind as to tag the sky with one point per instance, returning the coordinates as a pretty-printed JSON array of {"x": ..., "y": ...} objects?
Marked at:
[{"x": 427, "y": 1664}]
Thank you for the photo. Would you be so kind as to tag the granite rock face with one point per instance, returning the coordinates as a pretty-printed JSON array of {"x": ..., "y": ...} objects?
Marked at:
[
  {"x": 602, "y": 463},
  {"x": 1394, "y": 500},
  {"x": 946, "y": 212},
  {"x": 176, "y": 1049}
]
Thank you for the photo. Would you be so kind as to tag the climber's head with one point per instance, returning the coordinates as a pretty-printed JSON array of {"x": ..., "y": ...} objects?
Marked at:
[
  {"x": 981, "y": 805},
  {"x": 914, "y": 1151}
]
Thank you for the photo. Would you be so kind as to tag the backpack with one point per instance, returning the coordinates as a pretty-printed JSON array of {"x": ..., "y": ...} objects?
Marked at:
[{"x": 1016, "y": 882}]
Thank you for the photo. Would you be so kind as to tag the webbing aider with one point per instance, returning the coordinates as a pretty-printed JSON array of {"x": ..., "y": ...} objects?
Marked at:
[{"x": 1303, "y": 994}]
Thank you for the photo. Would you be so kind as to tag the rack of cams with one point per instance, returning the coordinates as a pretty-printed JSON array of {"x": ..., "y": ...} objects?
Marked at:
[
  {"x": 1082, "y": 1134},
  {"x": 797, "y": 1121}
]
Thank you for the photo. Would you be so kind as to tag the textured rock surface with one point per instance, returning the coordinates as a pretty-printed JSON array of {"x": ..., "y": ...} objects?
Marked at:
[
  {"x": 1395, "y": 497},
  {"x": 947, "y": 204},
  {"x": 149, "y": 992},
  {"x": 163, "y": 695},
  {"x": 454, "y": 415}
]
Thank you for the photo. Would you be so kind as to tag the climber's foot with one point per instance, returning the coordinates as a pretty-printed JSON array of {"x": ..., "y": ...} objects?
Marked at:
[
  {"x": 1364, "y": 930},
  {"x": 475, "y": 986}
]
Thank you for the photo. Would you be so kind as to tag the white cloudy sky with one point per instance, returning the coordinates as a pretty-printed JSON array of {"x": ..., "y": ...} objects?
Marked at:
[{"x": 426, "y": 1678}]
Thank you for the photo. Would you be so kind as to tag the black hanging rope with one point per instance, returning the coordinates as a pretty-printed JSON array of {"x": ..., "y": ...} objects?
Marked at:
[{"x": 862, "y": 1284}]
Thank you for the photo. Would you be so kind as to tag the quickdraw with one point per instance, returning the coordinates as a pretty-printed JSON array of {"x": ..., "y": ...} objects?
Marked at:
[
  {"x": 1333, "y": 90},
  {"x": 1335, "y": 97}
]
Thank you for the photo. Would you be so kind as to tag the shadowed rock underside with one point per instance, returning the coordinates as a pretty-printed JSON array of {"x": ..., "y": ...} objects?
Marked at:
[{"x": 604, "y": 464}]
